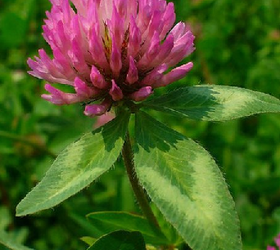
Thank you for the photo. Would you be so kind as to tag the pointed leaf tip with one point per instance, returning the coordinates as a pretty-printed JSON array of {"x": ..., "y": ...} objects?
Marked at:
[
  {"x": 120, "y": 240},
  {"x": 214, "y": 103},
  {"x": 77, "y": 166}
]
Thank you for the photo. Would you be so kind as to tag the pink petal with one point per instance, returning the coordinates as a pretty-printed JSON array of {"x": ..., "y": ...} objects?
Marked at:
[
  {"x": 96, "y": 48},
  {"x": 154, "y": 76},
  {"x": 67, "y": 11},
  {"x": 97, "y": 79},
  {"x": 121, "y": 6},
  {"x": 164, "y": 52},
  {"x": 151, "y": 53},
  {"x": 80, "y": 6},
  {"x": 168, "y": 19},
  {"x": 155, "y": 25},
  {"x": 174, "y": 75},
  {"x": 63, "y": 64},
  {"x": 58, "y": 97},
  {"x": 141, "y": 94},
  {"x": 132, "y": 7},
  {"x": 116, "y": 26},
  {"x": 93, "y": 110},
  {"x": 115, "y": 60},
  {"x": 178, "y": 30},
  {"x": 92, "y": 14},
  {"x": 183, "y": 46},
  {"x": 60, "y": 38},
  {"x": 47, "y": 61},
  {"x": 78, "y": 59},
  {"x": 134, "y": 41},
  {"x": 132, "y": 75},
  {"x": 41, "y": 70},
  {"x": 83, "y": 90},
  {"x": 144, "y": 16},
  {"x": 115, "y": 92}
]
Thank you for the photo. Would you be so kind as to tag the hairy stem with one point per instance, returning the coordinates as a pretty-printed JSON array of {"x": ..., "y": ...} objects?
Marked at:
[{"x": 127, "y": 154}]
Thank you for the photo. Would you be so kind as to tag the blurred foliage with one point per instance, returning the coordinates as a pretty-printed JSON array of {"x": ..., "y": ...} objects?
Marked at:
[{"x": 237, "y": 43}]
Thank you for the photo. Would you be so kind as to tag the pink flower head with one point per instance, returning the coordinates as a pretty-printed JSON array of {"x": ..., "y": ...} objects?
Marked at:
[{"x": 111, "y": 50}]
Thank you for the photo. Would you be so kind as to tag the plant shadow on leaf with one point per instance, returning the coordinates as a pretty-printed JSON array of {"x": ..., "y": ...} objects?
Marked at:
[
  {"x": 197, "y": 105},
  {"x": 109, "y": 136},
  {"x": 77, "y": 166},
  {"x": 162, "y": 141},
  {"x": 214, "y": 103},
  {"x": 186, "y": 185}
]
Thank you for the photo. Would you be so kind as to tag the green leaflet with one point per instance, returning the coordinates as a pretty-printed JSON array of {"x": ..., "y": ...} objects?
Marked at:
[
  {"x": 10, "y": 242},
  {"x": 186, "y": 185},
  {"x": 166, "y": 228},
  {"x": 112, "y": 221},
  {"x": 77, "y": 166},
  {"x": 120, "y": 240},
  {"x": 214, "y": 102},
  {"x": 88, "y": 240}
]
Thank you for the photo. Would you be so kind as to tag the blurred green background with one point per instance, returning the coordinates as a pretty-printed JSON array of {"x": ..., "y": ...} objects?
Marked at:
[{"x": 237, "y": 43}]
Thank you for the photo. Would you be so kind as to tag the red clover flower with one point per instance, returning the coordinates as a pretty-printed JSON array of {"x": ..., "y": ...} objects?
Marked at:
[{"x": 111, "y": 50}]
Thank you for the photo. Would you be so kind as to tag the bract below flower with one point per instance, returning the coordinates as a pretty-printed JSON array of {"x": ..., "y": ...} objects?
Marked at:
[{"x": 111, "y": 50}]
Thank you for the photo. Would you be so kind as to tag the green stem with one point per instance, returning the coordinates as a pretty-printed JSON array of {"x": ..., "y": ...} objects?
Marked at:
[{"x": 127, "y": 154}]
